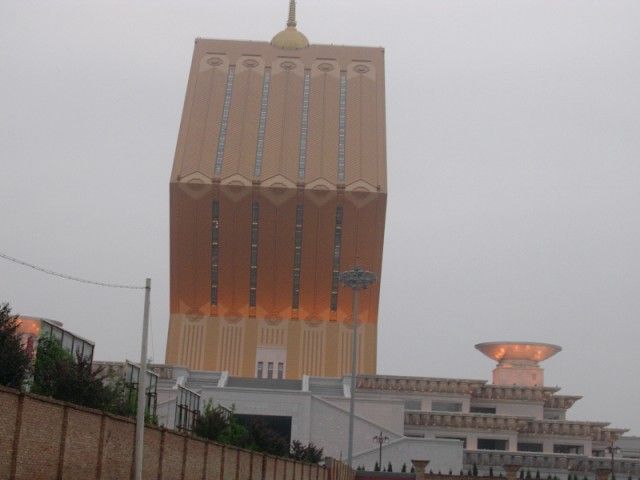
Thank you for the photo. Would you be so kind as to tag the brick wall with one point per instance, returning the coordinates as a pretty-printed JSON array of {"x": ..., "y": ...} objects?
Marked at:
[{"x": 42, "y": 438}]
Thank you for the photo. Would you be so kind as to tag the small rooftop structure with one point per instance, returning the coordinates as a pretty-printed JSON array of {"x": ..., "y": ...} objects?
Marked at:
[
  {"x": 518, "y": 361},
  {"x": 290, "y": 38}
]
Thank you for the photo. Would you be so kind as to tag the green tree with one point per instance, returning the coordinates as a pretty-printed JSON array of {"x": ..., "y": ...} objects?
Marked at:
[
  {"x": 537, "y": 474},
  {"x": 376, "y": 467},
  {"x": 389, "y": 467},
  {"x": 528, "y": 475},
  {"x": 212, "y": 422},
  {"x": 404, "y": 468},
  {"x": 491, "y": 471},
  {"x": 57, "y": 374},
  {"x": 475, "y": 470},
  {"x": 15, "y": 363},
  {"x": 306, "y": 453},
  {"x": 220, "y": 424}
]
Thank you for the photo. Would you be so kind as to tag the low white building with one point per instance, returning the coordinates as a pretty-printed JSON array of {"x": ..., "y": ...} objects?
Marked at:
[
  {"x": 318, "y": 409},
  {"x": 454, "y": 423}
]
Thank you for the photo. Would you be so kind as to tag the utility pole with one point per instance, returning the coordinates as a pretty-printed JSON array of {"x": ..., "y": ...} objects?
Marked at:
[
  {"x": 356, "y": 279},
  {"x": 142, "y": 384}
]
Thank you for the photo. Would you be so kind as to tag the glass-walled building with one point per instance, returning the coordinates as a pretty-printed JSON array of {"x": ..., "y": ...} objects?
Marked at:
[{"x": 31, "y": 329}]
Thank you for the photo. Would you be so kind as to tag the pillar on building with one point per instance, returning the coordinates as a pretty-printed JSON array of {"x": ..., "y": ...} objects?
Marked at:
[
  {"x": 420, "y": 466},
  {"x": 511, "y": 471}
]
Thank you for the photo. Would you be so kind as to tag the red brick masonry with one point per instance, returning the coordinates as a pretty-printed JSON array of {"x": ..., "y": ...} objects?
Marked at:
[{"x": 42, "y": 438}]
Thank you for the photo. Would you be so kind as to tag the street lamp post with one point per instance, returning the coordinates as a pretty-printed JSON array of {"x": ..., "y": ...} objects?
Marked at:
[
  {"x": 380, "y": 439},
  {"x": 356, "y": 279},
  {"x": 612, "y": 449}
]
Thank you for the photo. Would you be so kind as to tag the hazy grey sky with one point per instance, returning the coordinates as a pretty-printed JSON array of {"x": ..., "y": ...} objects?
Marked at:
[{"x": 513, "y": 159}]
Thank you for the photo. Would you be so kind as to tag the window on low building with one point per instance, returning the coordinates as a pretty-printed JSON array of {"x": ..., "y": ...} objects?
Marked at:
[
  {"x": 487, "y": 410},
  {"x": 446, "y": 406},
  {"x": 462, "y": 439},
  {"x": 412, "y": 404},
  {"x": 529, "y": 447},
  {"x": 551, "y": 415},
  {"x": 67, "y": 341},
  {"x": 568, "y": 449},
  {"x": 260, "y": 369},
  {"x": 270, "y": 370},
  {"x": 88, "y": 352},
  {"x": 491, "y": 444}
]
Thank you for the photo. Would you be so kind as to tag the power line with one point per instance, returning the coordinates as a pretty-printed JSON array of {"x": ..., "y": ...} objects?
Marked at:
[{"x": 69, "y": 277}]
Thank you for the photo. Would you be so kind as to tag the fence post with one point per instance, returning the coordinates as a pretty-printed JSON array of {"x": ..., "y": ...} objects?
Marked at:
[
  {"x": 16, "y": 436},
  {"x": 63, "y": 439},
  {"x": 103, "y": 423},
  {"x": 184, "y": 457},
  {"x": 237, "y": 463},
  {"x": 222, "y": 460},
  {"x": 206, "y": 460},
  {"x": 161, "y": 453}
]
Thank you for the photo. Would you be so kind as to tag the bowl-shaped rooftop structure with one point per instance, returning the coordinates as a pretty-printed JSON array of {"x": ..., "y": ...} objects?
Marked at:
[{"x": 531, "y": 351}]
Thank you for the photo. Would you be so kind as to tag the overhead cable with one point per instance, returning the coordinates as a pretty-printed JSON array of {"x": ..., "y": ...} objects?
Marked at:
[{"x": 69, "y": 277}]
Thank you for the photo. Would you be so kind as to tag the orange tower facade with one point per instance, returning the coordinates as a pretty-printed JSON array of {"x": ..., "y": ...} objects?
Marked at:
[{"x": 278, "y": 184}]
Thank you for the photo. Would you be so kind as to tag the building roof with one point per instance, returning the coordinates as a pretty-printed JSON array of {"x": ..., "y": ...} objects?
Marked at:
[{"x": 597, "y": 431}]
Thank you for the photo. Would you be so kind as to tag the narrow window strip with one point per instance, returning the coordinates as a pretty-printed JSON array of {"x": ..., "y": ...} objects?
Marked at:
[
  {"x": 224, "y": 122},
  {"x": 337, "y": 249},
  {"x": 215, "y": 235},
  {"x": 262, "y": 122},
  {"x": 253, "y": 270},
  {"x": 304, "y": 125},
  {"x": 341, "y": 126},
  {"x": 297, "y": 257}
]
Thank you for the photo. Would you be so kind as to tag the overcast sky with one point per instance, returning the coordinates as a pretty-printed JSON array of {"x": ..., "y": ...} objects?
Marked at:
[{"x": 513, "y": 157}]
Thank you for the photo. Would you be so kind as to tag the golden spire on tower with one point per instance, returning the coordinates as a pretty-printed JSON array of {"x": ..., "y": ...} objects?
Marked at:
[
  {"x": 291, "y": 22},
  {"x": 290, "y": 38}
]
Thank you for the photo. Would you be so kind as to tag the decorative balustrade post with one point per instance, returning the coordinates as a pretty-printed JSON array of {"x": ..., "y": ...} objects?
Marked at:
[
  {"x": 420, "y": 467},
  {"x": 511, "y": 471}
]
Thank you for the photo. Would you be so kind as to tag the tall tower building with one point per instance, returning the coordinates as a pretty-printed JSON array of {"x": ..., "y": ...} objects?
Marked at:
[{"x": 278, "y": 184}]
